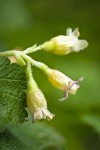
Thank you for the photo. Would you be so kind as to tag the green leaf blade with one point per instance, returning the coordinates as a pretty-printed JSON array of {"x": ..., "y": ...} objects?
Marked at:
[
  {"x": 9, "y": 142},
  {"x": 39, "y": 136},
  {"x": 12, "y": 93}
]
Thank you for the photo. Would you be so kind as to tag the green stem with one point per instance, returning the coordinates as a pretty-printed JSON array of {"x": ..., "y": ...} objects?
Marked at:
[
  {"x": 31, "y": 82},
  {"x": 22, "y": 54},
  {"x": 32, "y": 49},
  {"x": 40, "y": 65},
  {"x": 8, "y": 53}
]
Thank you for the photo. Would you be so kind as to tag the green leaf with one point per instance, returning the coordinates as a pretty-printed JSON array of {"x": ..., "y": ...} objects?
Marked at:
[
  {"x": 9, "y": 142},
  {"x": 93, "y": 121},
  {"x": 12, "y": 94},
  {"x": 39, "y": 136}
]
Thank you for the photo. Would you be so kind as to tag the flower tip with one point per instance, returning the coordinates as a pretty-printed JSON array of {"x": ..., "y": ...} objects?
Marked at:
[
  {"x": 65, "y": 96},
  {"x": 68, "y": 31},
  {"x": 84, "y": 44},
  {"x": 62, "y": 99},
  {"x": 43, "y": 114},
  {"x": 76, "y": 32},
  {"x": 81, "y": 79},
  {"x": 49, "y": 118}
]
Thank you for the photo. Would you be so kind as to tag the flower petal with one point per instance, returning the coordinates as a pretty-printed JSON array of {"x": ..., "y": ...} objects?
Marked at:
[
  {"x": 79, "y": 45},
  {"x": 76, "y": 33},
  {"x": 68, "y": 31},
  {"x": 65, "y": 96}
]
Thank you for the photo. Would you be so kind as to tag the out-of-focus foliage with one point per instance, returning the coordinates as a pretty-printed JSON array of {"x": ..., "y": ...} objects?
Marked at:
[
  {"x": 31, "y": 136},
  {"x": 24, "y": 23},
  {"x": 38, "y": 136},
  {"x": 9, "y": 142}
]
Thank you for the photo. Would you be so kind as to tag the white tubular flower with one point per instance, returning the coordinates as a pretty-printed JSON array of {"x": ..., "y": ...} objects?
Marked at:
[
  {"x": 37, "y": 105},
  {"x": 65, "y": 44},
  {"x": 62, "y": 82},
  {"x": 36, "y": 101}
]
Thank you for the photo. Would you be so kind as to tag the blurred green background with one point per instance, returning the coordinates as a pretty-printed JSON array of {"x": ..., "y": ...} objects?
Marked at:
[{"x": 26, "y": 22}]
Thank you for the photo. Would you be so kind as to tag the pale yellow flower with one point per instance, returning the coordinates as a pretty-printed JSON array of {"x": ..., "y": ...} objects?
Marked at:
[
  {"x": 62, "y": 82},
  {"x": 65, "y": 44},
  {"x": 37, "y": 105}
]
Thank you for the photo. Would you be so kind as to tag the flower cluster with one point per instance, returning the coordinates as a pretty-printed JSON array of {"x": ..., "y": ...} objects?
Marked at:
[{"x": 60, "y": 45}]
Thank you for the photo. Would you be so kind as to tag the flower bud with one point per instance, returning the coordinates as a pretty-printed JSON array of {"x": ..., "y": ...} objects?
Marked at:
[
  {"x": 62, "y": 82},
  {"x": 65, "y": 44},
  {"x": 37, "y": 105}
]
